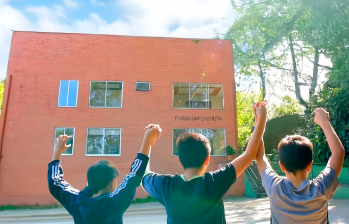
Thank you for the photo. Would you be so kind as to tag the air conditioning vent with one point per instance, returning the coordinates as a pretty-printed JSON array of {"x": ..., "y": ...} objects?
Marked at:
[{"x": 142, "y": 86}]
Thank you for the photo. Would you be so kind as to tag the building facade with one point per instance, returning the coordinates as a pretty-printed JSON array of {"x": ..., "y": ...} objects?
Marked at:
[{"x": 103, "y": 90}]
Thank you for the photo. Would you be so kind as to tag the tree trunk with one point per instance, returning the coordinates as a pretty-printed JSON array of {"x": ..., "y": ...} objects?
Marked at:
[
  {"x": 315, "y": 73},
  {"x": 295, "y": 75},
  {"x": 261, "y": 74}
]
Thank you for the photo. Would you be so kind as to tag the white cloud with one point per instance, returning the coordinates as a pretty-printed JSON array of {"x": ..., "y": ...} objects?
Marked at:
[
  {"x": 171, "y": 18},
  {"x": 10, "y": 19},
  {"x": 49, "y": 20},
  {"x": 70, "y": 3},
  {"x": 178, "y": 18}
]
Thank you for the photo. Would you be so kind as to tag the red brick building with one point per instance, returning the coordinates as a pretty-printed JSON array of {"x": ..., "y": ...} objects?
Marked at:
[{"x": 87, "y": 86}]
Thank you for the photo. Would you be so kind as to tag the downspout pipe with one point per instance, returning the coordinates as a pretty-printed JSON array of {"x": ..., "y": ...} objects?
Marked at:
[{"x": 4, "y": 110}]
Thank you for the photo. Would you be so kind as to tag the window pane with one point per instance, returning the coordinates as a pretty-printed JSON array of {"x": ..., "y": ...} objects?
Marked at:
[
  {"x": 198, "y": 95},
  {"x": 97, "y": 94},
  {"x": 73, "y": 93},
  {"x": 59, "y": 131},
  {"x": 94, "y": 141},
  {"x": 112, "y": 141},
  {"x": 216, "y": 96},
  {"x": 66, "y": 131},
  {"x": 63, "y": 93},
  {"x": 181, "y": 95},
  {"x": 176, "y": 134},
  {"x": 69, "y": 132},
  {"x": 215, "y": 136},
  {"x": 114, "y": 94}
]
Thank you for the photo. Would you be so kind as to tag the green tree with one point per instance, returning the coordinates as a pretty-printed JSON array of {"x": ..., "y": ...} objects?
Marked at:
[
  {"x": 245, "y": 115},
  {"x": 286, "y": 107},
  {"x": 283, "y": 34},
  {"x": 336, "y": 101}
]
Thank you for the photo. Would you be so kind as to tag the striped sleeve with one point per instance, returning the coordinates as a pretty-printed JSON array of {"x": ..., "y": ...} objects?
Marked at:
[
  {"x": 126, "y": 191},
  {"x": 59, "y": 188}
]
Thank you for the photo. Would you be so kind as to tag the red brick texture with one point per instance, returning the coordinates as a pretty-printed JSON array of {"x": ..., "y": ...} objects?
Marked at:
[{"x": 38, "y": 61}]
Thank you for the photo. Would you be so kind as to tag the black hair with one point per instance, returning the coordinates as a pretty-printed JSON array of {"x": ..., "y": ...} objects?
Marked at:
[
  {"x": 295, "y": 153},
  {"x": 100, "y": 174},
  {"x": 193, "y": 150}
]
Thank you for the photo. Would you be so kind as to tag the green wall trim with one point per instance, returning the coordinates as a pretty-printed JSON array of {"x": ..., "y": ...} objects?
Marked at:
[{"x": 248, "y": 189}]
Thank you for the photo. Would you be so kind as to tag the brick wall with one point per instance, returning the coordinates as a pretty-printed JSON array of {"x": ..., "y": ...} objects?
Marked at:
[{"x": 38, "y": 61}]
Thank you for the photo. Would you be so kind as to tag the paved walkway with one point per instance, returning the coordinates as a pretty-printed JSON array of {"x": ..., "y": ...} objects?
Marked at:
[
  {"x": 238, "y": 210},
  {"x": 245, "y": 210}
]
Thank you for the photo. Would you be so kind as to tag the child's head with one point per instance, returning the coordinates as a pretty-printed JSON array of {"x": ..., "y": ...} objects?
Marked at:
[
  {"x": 193, "y": 150},
  {"x": 102, "y": 175},
  {"x": 295, "y": 154}
]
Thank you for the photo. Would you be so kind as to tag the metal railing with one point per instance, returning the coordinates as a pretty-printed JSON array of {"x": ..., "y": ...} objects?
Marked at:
[{"x": 253, "y": 177}]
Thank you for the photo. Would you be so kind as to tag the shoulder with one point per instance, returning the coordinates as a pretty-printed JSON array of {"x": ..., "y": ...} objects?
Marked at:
[
  {"x": 327, "y": 177},
  {"x": 270, "y": 178},
  {"x": 157, "y": 177},
  {"x": 225, "y": 167}
]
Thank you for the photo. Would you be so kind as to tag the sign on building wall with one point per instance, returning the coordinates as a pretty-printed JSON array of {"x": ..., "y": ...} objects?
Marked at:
[{"x": 198, "y": 118}]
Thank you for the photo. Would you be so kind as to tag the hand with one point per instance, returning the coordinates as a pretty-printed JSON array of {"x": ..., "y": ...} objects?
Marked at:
[
  {"x": 321, "y": 117},
  {"x": 152, "y": 133},
  {"x": 255, "y": 106},
  {"x": 61, "y": 142}
]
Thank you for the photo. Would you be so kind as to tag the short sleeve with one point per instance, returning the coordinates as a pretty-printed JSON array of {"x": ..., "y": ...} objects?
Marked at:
[
  {"x": 223, "y": 179},
  {"x": 154, "y": 185},
  {"x": 327, "y": 182},
  {"x": 269, "y": 179}
]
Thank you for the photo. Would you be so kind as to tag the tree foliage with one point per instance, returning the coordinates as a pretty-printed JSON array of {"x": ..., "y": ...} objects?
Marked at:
[
  {"x": 336, "y": 101},
  {"x": 268, "y": 33},
  {"x": 287, "y": 106},
  {"x": 245, "y": 115}
]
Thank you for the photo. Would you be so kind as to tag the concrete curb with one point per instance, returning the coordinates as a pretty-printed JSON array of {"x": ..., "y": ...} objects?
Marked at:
[{"x": 66, "y": 214}]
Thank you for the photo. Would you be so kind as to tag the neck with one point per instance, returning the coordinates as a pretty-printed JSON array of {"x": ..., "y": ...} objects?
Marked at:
[
  {"x": 189, "y": 173},
  {"x": 297, "y": 179},
  {"x": 103, "y": 191}
]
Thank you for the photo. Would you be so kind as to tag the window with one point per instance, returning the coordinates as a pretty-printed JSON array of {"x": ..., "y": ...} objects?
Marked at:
[
  {"x": 106, "y": 94},
  {"x": 198, "y": 95},
  {"x": 103, "y": 142},
  {"x": 215, "y": 136},
  {"x": 69, "y": 132},
  {"x": 68, "y": 93}
]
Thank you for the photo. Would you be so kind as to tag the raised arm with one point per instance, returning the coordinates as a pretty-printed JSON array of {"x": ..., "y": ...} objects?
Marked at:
[
  {"x": 152, "y": 133},
  {"x": 262, "y": 161},
  {"x": 337, "y": 158},
  {"x": 59, "y": 188},
  {"x": 244, "y": 160},
  {"x": 126, "y": 191},
  {"x": 60, "y": 146}
]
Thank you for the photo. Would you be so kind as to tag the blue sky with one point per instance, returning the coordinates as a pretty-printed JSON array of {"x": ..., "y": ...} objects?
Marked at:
[{"x": 168, "y": 18}]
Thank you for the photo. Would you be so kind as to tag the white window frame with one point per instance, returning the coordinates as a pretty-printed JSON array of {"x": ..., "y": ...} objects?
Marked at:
[
  {"x": 105, "y": 99},
  {"x": 59, "y": 92},
  {"x": 103, "y": 145},
  {"x": 54, "y": 141},
  {"x": 207, "y": 89},
  {"x": 225, "y": 140}
]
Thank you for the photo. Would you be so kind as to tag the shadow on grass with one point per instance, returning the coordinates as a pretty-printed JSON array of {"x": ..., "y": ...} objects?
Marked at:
[
  {"x": 37, "y": 206},
  {"x": 57, "y": 205}
]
